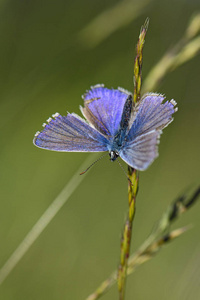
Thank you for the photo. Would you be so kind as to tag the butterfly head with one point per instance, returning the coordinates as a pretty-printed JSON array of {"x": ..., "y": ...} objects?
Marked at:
[{"x": 113, "y": 155}]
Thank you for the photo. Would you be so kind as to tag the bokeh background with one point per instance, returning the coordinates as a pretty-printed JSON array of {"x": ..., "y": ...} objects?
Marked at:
[{"x": 51, "y": 52}]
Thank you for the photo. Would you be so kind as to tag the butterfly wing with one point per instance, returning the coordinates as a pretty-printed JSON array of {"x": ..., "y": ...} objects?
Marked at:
[
  {"x": 103, "y": 108},
  {"x": 70, "y": 134},
  {"x": 140, "y": 147},
  {"x": 142, "y": 151},
  {"x": 151, "y": 114}
]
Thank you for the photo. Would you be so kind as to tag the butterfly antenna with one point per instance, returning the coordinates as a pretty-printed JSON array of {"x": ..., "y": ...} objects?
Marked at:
[
  {"x": 93, "y": 164},
  {"x": 124, "y": 171}
]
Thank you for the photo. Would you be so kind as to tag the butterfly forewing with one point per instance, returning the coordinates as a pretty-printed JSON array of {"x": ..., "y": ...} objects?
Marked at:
[
  {"x": 151, "y": 114},
  {"x": 70, "y": 133},
  {"x": 106, "y": 108}
]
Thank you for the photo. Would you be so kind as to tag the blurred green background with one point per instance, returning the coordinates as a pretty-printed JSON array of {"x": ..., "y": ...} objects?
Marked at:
[{"x": 49, "y": 57}]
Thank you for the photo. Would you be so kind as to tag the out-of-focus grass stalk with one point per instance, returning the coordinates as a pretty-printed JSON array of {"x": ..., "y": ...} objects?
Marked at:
[
  {"x": 186, "y": 48},
  {"x": 159, "y": 237},
  {"x": 132, "y": 174},
  {"x": 135, "y": 260},
  {"x": 44, "y": 220},
  {"x": 107, "y": 22}
]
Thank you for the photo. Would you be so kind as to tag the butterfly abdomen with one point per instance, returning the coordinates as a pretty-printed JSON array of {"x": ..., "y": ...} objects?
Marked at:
[
  {"x": 119, "y": 138},
  {"x": 126, "y": 113}
]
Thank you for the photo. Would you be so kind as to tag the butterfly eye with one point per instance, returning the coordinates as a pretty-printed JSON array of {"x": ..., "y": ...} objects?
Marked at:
[{"x": 113, "y": 155}]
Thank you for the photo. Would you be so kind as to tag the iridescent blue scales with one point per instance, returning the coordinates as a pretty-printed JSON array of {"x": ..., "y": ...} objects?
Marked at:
[{"x": 113, "y": 125}]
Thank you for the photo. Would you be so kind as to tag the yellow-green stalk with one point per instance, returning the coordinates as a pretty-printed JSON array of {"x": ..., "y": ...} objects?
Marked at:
[{"x": 132, "y": 174}]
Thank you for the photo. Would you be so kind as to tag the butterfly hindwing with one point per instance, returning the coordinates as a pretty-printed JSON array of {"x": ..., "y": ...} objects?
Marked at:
[{"x": 142, "y": 151}]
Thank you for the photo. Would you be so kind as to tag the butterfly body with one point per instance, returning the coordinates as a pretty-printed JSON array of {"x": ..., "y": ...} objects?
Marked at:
[
  {"x": 113, "y": 124},
  {"x": 120, "y": 137}
]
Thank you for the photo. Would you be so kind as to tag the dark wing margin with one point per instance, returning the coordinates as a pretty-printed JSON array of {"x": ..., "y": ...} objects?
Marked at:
[{"x": 70, "y": 134}]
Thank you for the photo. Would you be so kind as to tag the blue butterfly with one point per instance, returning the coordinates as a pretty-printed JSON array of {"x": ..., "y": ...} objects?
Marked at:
[{"x": 112, "y": 124}]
